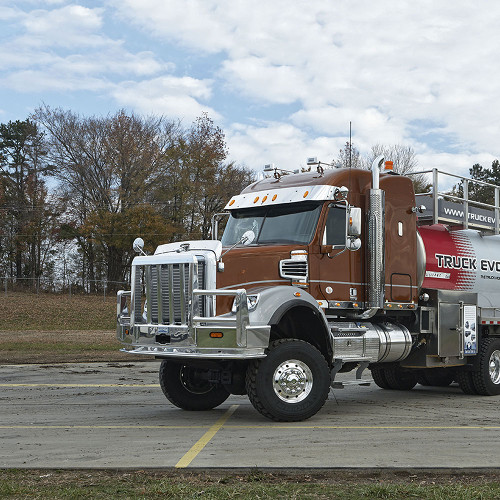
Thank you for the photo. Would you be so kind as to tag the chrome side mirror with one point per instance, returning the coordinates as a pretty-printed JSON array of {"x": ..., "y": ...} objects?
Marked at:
[
  {"x": 138, "y": 246},
  {"x": 353, "y": 244},
  {"x": 248, "y": 237}
]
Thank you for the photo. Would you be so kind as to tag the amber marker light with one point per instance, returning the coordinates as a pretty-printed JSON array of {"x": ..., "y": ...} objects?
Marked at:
[
  {"x": 305, "y": 194},
  {"x": 297, "y": 294},
  {"x": 264, "y": 199},
  {"x": 231, "y": 202},
  {"x": 274, "y": 197},
  {"x": 216, "y": 335},
  {"x": 256, "y": 200},
  {"x": 389, "y": 165}
]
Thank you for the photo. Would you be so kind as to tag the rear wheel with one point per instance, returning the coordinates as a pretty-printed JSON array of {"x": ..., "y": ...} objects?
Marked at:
[
  {"x": 397, "y": 379},
  {"x": 379, "y": 378},
  {"x": 436, "y": 377},
  {"x": 464, "y": 379},
  {"x": 487, "y": 378},
  {"x": 188, "y": 387},
  {"x": 291, "y": 383}
]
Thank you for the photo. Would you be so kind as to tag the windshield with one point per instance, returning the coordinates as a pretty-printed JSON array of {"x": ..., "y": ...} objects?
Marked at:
[{"x": 279, "y": 224}]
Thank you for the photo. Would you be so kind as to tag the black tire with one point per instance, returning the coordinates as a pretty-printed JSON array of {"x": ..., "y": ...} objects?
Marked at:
[
  {"x": 291, "y": 383},
  {"x": 487, "y": 378},
  {"x": 185, "y": 387},
  {"x": 436, "y": 377},
  {"x": 465, "y": 382},
  {"x": 400, "y": 380},
  {"x": 378, "y": 376},
  {"x": 422, "y": 379}
]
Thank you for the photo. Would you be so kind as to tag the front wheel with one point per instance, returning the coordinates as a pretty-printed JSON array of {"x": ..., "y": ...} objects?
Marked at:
[
  {"x": 187, "y": 387},
  {"x": 291, "y": 383}
]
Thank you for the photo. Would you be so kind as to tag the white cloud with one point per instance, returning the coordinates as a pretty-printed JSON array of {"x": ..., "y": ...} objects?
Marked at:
[
  {"x": 391, "y": 63},
  {"x": 297, "y": 72},
  {"x": 283, "y": 144},
  {"x": 168, "y": 95},
  {"x": 68, "y": 26}
]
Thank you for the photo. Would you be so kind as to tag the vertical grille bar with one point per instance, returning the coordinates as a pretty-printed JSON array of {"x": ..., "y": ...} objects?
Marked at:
[
  {"x": 201, "y": 286},
  {"x": 182, "y": 292},
  {"x": 159, "y": 294},
  {"x": 171, "y": 318},
  {"x": 137, "y": 295},
  {"x": 165, "y": 295},
  {"x": 147, "y": 273},
  {"x": 153, "y": 298}
]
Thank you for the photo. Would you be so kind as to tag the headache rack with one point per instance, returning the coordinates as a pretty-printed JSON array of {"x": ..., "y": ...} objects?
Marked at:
[{"x": 459, "y": 205}]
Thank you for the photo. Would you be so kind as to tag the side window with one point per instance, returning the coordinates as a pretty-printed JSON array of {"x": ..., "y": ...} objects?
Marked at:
[{"x": 335, "y": 227}]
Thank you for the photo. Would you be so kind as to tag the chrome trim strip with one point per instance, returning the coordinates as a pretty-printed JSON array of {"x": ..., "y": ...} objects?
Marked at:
[
  {"x": 190, "y": 352},
  {"x": 277, "y": 196},
  {"x": 229, "y": 287},
  {"x": 358, "y": 284}
]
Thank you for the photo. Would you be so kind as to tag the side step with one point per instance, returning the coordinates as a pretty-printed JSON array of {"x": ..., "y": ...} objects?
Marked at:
[{"x": 337, "y": 365}]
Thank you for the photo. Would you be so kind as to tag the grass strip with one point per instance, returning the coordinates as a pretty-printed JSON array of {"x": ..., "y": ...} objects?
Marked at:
[{"x": 55, "y": 484}]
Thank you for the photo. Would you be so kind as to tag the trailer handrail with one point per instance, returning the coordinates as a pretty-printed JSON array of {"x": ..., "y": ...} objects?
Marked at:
[{"x": 437, "y": 198}]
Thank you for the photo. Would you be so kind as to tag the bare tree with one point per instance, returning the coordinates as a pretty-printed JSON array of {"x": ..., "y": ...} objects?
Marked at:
[
  {"x": 107, "y": 167},
  {"x": 404, "y": 160},
  {"x": 349, "y": 157}
]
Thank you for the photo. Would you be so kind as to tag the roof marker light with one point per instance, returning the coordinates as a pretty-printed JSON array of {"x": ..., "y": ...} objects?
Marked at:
[
  {"x": 232, "y": 202},
  {"x": 256, "y": 200},
  {"x": 305, "y": 194},
  {"x": 264, "y": 199},
  {"x": 389, "y": 165},
  {"x": 274, "y": 197}
]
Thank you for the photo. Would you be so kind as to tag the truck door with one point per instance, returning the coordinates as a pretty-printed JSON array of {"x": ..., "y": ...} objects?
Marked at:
[{"x": 333, "y": 260}]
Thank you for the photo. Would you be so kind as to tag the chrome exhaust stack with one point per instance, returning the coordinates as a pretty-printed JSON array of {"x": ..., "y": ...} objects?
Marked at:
[{"x": 376, "y": 240}]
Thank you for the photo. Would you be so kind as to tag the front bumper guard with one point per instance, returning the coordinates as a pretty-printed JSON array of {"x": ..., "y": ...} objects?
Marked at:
[{"x": 230, "y": 336}]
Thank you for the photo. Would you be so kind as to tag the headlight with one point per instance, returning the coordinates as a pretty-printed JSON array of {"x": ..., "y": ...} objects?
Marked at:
[{"x": 252, "y": 301}]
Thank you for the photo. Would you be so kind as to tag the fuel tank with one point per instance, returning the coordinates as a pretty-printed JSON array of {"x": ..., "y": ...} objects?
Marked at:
[{"x": 460, "y": 260}]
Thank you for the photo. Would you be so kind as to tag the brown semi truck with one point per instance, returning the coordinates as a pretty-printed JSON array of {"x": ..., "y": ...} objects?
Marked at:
[{"x": 317, "y": 273}]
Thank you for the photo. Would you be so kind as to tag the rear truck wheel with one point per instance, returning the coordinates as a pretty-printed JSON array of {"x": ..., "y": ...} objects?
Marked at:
[
  {"x": 422, "y": 379},
  {"x": 187, "y": 387},
  {"x": 399, "y": 379},
  {"x": 291, "y": 383},
  {"x": 436, "y": 377},
  {"x": 378, "y": 376},
  {"x": 465, "y": 381},
  {"x": 487, "y": 378}
]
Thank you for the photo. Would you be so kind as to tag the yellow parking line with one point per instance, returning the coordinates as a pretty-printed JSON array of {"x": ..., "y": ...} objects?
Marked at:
[
  {"x": 79, "y": 385},
  {"x": 205, "y": 439},
  {"x": 135, "y": 427}
]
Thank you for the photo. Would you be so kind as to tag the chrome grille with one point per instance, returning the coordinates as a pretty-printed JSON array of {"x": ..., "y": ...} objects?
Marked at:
[{"x": 168, "y": 290}]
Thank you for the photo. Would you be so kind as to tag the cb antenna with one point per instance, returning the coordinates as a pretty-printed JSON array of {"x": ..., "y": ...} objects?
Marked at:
[{"x": 350, "y": 144}]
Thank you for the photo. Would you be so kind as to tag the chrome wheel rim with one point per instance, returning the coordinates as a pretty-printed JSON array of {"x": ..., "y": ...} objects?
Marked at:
[
  {"x": 495, "y": 367},
  {"x": 292, "y": 381}
]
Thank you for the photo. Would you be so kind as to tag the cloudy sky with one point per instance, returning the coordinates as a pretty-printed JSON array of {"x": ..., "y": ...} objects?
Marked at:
[{"x": 282, "y": 78}]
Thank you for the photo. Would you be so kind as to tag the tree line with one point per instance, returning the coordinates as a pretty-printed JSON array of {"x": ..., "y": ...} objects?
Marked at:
[{"x": 75, "y": 191}]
